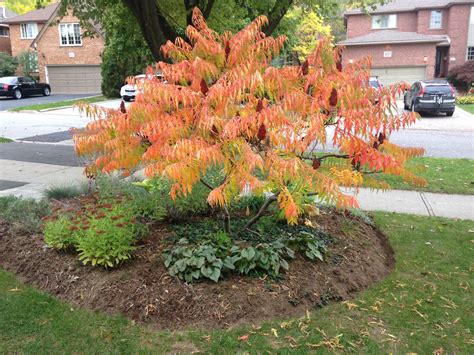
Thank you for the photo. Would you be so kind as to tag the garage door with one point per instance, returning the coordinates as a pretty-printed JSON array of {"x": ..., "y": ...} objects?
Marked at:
[
  {"x": 389, "y": 76},
  {"x": 74, "y": 79}
]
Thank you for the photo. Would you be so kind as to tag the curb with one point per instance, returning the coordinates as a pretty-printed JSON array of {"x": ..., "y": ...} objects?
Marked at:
[{"x": 58, "y": 108}]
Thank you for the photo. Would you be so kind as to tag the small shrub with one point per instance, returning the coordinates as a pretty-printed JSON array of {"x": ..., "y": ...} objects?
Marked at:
[
  {"x": 465, "y": 100},
  {"x": 59, "y": 233},
  {"x": 23, "y": 214},
  {"x": 144, "y": 204},
  {"x": 462, "y": 75},
  {"x": 8, "y": 64},
  {"x": 108, "y": 237},
  {"x": 62, "y": 192}
]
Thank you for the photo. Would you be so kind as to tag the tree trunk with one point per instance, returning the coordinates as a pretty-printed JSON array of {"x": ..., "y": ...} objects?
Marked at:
[
  {"x": 279, "y": 10},
  {"x": 155, "y": 27}
]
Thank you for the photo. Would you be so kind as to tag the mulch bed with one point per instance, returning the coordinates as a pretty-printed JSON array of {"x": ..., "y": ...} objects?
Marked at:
[{"x": 143, "y": 291}]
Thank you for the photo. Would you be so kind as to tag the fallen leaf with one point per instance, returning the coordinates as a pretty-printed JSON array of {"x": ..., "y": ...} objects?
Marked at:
[
  {"x": 243, "y": 337},
  {"x": 275, "y": 333}
]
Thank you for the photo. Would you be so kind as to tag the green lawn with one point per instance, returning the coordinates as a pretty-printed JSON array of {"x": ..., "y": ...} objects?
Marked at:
[
  {"x": 425, "y": 305},
  {"x": 5, "y": 140},
  {"x": 49, "y": 105},
  {"x": 468, "y": 108},
  {"x": 452, "y": 176}
]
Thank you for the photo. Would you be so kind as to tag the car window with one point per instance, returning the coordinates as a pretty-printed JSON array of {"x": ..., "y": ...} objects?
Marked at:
[
  {"x": 27, "y": 80},
  {"x": 8, "y": 80},
  {"x": 374, "y": 83},
  {"x": 438, "y": 89}
]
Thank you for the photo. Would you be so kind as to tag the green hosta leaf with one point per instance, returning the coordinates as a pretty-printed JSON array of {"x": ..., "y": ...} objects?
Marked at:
[{"x": 216, "y": 273}]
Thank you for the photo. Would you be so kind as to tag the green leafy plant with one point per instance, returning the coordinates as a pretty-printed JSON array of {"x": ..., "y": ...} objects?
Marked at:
[
  {"x": 108, "y": 237},
  {"x": 210, "y": 253},
  {"x": 60, "y": 233},
  {"x": 190, "y": 262}
]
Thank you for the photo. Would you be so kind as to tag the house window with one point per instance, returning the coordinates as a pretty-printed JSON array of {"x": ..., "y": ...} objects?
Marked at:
[
  {"x": 29, "y": 30},
  {"x": 436, "y": 21},
  {"x": 4, "y": 31},
  {"x": 470, "y": 53},
  {"x": 384, "y": 21},
  {"x": 70, "y": 34}
]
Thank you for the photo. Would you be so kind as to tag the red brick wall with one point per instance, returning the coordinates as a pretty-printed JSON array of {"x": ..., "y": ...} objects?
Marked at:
[
  {"x": 457, "y": 28},
  {"x": 50, "y": 51},
  {"x": 20, "y": 45},
  {"x": 402, "y": 55},
  {"x": 358, "y": 25}
]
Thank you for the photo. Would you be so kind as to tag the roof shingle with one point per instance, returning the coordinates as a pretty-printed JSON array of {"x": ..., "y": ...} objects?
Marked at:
[
  {"x": 410, "y": 5},
  {"x": 393, "y": 36},
  {"x": 39, "y": 15}
]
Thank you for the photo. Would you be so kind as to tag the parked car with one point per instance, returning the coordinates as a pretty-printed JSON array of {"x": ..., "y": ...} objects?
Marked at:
[
  {"x": 430, "y": 96},
  {"x": 129, "y": 91},
  {"x": 375, "y": 83},
  {"x": 22, "y": 86}
]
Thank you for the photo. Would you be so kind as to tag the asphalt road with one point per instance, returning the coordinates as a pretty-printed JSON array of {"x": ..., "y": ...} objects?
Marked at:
[{"x": 8, "y": 103}]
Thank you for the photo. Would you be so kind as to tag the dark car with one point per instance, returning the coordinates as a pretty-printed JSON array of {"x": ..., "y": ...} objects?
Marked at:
[
  {"x": 430, "y": 96},
  {"x": 21, "y": 86}
]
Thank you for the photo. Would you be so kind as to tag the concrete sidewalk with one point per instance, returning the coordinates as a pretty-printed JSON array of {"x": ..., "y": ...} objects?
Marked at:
[{"x": 29, "y": 179}]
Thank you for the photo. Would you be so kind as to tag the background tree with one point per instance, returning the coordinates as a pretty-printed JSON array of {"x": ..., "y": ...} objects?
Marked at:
[
  {"x": 22, "y": 6},
  {"x": 126, "y": 52},
  {"x": 8, "y": 64},
  {"x": 224, "y": 109},
  {"x": 162, "y": 20}
]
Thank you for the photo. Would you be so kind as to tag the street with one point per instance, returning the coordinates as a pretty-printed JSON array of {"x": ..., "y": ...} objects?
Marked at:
[{"x": 8, "y": 103}]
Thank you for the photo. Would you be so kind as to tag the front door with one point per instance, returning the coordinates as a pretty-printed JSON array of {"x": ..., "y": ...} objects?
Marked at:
[{"x": 441, "y": 62}]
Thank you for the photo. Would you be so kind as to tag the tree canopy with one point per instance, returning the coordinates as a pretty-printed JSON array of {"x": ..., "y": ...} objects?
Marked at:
[
  {"x": 162, "y": 20},
  {"x": 224, "y": 108}
]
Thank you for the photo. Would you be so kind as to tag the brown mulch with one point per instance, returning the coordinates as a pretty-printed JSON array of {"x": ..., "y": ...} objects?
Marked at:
[{"x": 143, "y": 290}]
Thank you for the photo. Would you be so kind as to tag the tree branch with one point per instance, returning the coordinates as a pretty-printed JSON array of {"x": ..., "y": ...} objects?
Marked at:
[
  {"x": 205, "y": 183},
  {"x": 262, "y": 210}
]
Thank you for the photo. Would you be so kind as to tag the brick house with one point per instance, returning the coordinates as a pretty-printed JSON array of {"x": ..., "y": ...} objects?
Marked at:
[
  {"x": 5, "y": 45},
  {"x": 411, "y": 40},
  {"x": 65, "y": 59}
]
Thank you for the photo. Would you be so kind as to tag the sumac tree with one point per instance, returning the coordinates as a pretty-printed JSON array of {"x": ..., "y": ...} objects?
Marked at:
[{"x": 224, "y": 107}]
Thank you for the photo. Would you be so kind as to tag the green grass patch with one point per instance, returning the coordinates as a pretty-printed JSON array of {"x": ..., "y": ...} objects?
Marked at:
[
  {"x": 49, "y": 105},
  {"x": 5, "y": 140},
  {"x": 424, "y": 306},
  {"x": 468, "y": 108},
  {"x": 451, "y": 176}
]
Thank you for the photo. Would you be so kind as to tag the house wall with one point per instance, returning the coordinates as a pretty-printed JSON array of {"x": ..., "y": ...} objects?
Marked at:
[
  {"x": 18, "y": 44},
  {"x": 403, "y": 55},
  {"x": 51, "y": 52},
  {"x": 358, "y": 25},
  {"x": 458, "y": 28}
]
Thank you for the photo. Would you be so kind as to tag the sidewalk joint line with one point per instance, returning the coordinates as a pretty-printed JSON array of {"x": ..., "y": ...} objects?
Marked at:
[{"x": 427, "y": 205}]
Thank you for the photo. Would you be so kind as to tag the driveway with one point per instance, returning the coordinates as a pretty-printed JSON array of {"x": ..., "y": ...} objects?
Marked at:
[{"x": 8, "y": 103}]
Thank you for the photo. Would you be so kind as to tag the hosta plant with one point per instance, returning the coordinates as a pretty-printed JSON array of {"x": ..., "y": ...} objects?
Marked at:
[{"x": 223, "y": 107}]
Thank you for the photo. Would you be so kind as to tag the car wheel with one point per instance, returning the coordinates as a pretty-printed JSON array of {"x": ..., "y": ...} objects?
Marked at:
[
  {"x": 126, "y": 98},
  {"x": 450, "y": 113},
  {"x": 17, "y": 94},
  {"x": 46, "y": 92}
]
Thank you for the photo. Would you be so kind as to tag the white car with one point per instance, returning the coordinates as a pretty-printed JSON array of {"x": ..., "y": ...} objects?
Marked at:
[{"x": 130, "y": 90}]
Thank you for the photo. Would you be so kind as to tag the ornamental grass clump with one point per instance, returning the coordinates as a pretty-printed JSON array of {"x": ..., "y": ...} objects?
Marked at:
[{"x": 222, "y": 106}]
